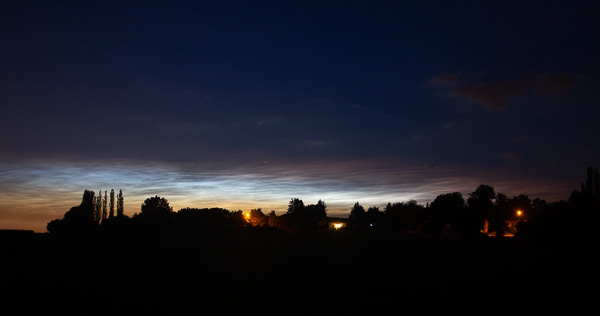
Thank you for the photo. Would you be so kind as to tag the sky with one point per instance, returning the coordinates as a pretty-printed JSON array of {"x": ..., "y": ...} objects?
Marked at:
[{"x": 247, "y": 104}]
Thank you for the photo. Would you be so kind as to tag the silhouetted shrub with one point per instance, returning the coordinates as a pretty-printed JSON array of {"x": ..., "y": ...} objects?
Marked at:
[
  {"x": 404, "y": 216},
  {"x": 156, "y": 216},
  {"x": 193, "y": 220},
  {"x": 445, "y": 212},
  {"x": 78, "y": 220}
]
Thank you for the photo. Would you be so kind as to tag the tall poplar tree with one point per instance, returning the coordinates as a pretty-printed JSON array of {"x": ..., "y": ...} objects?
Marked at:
[
  {"x": 98, "y": 207},
  {"x": 104, "y": 205},
  {"x": 112, "y": 204},
  {"x": 88, "y": 202},
  {"x": 120, "y": 204}
]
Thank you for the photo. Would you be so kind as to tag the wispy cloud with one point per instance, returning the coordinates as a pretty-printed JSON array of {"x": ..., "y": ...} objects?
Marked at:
[
  {"x": 498, "y": 94},
  {"x": 33, "y": 193}
]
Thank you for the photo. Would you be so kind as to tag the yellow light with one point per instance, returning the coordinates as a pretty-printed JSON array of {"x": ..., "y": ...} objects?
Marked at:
[
  {"x": 337, "y": 225},
  {"x": 248, "y": 215},
  {"x": 519, "y": 213}
]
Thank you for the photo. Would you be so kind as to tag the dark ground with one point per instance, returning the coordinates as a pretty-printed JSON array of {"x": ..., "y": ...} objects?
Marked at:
[{"x": 266, "y": 272}]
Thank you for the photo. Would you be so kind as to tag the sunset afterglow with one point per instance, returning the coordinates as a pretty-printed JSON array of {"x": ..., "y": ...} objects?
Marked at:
[
  {"x": 299, "y": 157},
  {"x": 245, "y": 106},
  {"x": 46, "y": 191}
]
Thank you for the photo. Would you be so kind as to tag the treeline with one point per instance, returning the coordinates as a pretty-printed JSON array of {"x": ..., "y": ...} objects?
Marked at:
[
  {"x": 449, "y": 214},
  {"x": 156, "y": 216},
  {"x": 484, "y": 211},
  {"x": 299, "y": 217},
  {"x": 93, "y": 211}
]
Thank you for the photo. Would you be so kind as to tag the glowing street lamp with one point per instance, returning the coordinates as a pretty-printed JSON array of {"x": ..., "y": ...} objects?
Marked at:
[{"x": 519, "y": 213}]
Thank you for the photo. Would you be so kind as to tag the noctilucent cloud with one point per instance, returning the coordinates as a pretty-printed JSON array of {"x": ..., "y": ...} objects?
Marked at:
[{"x": 244, "y": 105}]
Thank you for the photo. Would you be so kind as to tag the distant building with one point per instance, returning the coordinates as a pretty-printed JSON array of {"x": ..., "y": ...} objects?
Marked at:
[
  {"x": 510, "y": 228},
  {"x": 337, "y": 223}
]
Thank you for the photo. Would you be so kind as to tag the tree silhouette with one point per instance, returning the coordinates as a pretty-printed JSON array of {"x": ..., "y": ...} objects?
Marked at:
[
  {"x": 589, "y": 197},
  {"x": 295, "y": 205},
  {"x": 445, "y": 211},
  {"x": 585, "y": 206},
  {"x": 98, "y": 207},
  {"x": 257, "y": 218},
  {"x": 357, "y": 218},
  {"x": 79, "y": 219},
  {"x": 373, "y": 217},
  {"x": 498, "y": 214},
  {"x": 104, "y": 206},
  {"x": 112, "y": 204},
  {"x": 448, "y": 213},
  {"x": 306, "y": 218},
  {"x": 272, "y": 222},
  {"x": 156, "y": 215},
  {"x": 88, "y": 202},
  {"x": 479, "y": 205},
  {"x": 196, "y": 221},
  {"x": 314, "y": 216},
  {"x": 404, "y": 215},
  {"x": 592, "y": 182},
  {"x": 120, "y": 204},
  {"x": 156, "y": 207}
]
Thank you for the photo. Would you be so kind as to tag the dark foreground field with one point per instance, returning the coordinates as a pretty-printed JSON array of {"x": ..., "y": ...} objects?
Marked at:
[{"x": 281, "y": 273}]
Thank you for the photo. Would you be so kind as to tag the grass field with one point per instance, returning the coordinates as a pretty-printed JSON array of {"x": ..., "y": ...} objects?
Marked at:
[{"x": 269, "y": 272}]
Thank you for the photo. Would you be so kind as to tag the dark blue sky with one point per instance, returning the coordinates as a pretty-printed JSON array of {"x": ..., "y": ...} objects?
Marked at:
[{"x": 478, "y": 90}]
